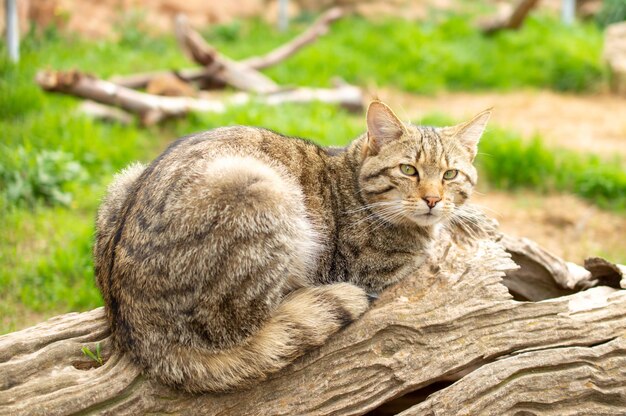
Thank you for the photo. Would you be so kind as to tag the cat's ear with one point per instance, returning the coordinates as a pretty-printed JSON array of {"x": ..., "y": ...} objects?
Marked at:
[
  {"x": 383, "y": 126},
  {"x": 469, "y": 133}
]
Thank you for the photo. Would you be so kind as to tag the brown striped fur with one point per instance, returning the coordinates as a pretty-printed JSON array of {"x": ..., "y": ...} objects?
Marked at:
[{"x": 238, "y": 249}]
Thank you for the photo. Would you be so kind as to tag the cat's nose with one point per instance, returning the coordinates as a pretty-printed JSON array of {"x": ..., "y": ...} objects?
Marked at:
[{"x": 431, "y": 201}]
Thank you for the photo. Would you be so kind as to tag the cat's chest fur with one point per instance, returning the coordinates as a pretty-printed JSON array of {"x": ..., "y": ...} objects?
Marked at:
[
  {"x": 359, "y": 247},
  {"x": 372, "y": 254}
]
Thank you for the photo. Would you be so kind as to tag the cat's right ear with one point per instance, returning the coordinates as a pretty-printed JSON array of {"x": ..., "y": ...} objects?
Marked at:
[{"x": 383, "y": 126}]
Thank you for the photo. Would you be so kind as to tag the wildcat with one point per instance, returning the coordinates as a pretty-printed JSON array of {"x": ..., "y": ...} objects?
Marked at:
[{"x": 238, "y": 249}]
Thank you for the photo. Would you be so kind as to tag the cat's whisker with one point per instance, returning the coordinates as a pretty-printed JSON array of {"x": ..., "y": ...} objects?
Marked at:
[
  {"x": 486, "y": 208},
  {"x": 370, "y": 206}
]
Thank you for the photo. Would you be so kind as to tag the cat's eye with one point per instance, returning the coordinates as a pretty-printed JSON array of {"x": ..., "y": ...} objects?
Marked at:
[
  {"x": 450, "y": 174},
  {"x": 408, "y": 170}
]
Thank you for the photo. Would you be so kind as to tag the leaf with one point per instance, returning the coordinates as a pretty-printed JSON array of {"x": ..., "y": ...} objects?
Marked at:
[
  {"x": 98, "y": 355},
  {"x": 89, "y": 354}
]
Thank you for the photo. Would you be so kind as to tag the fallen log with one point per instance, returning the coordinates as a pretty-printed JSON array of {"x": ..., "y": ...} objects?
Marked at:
[
  {"x": 558, "y": 381},
  {"x": 155, "y": 108},
  {"x": 453, "y": 320}
]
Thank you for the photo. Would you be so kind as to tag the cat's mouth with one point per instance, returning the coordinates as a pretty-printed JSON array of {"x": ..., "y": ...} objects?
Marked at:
[{"x": 426, "y": 218}]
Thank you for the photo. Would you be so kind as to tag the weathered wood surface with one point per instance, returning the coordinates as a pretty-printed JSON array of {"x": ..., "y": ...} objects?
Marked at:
[
  {"x": 585, "y": 380},
  {"x": 454, "y": 320},
  {"x": 154, "y": 108}
]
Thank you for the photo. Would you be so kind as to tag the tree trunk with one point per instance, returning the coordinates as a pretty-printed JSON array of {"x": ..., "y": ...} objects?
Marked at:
[{"x": 454, "y": 320}]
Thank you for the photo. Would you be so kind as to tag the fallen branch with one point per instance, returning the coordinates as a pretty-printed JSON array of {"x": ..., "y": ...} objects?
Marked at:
[
  {"x": 141, "y": 80},
  {"x": 104, "y": 113},
  {"x": 219, "y": 67},
  {"x": 512, "y": 20},
  {"x": 320, "y": 27},
  {"x": 155, "y": 108},
  {"x": 205, "y": 54},
  {"x": 454, "y": 320}
]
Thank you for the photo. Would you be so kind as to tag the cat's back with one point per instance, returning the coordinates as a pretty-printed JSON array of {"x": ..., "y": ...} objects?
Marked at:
[
  {"x": 171, "y": 200},
  {"x": 270, "y": 147}
]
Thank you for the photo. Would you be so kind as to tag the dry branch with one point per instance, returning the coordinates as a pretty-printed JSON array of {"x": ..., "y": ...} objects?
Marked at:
[
  {"x": 205, "y": 54},
  {"x": 219, "y": 67},
  {"x": 154, "y": 108},
  {"x": 320, "y": 27},
  {"x": 104, "y": 113},
  {"x": 141, "y": 80},
  {"x": 454, "y": 320},
  {"x": 512, "y": 20}
]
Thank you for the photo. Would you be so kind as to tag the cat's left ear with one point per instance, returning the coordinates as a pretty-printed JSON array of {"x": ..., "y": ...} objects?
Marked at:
[
  {"x": 383, "y": 127},
  {"x": 469, "y": 133}
]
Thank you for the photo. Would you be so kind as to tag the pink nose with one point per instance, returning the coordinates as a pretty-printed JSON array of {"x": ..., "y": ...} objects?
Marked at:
[{"x": 431, "y": 201}]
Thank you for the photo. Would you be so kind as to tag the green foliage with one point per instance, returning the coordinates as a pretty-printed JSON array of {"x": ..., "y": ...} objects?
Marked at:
[
  {"x": 613, "y": 11},
  {"x": 97, "y": 357},
  {"x": 427, "y": 57},
  {"x": 43, "y": 176},
  {"x": 509, "y": 162}
]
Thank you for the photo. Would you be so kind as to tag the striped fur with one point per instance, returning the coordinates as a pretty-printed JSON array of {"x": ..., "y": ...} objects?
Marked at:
[{"x": 239, "y": 249}]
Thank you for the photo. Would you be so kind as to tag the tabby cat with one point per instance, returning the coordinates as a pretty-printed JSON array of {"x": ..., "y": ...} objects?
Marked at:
[{"x": 238, "y": 249}]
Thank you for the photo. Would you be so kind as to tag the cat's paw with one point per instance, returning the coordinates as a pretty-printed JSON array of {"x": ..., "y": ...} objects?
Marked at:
[{"x": 350, "y": 298}]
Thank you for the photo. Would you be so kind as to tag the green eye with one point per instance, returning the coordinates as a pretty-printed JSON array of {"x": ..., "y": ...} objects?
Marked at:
[
  {"x": 408, "y": 170},
  {"x": 450, "y": 174}
]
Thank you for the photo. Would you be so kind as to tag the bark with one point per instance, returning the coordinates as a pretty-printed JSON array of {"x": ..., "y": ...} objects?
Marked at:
[
  {"x": 558, "y": 381},
  {"x": 154, "y": 108},
  {"x": 454, "y": 320},
  {"x": 512, "y": 20}
]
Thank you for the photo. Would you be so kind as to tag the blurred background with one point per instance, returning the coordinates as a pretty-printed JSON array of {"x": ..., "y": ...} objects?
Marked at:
[{"x": 552, "y": 162}]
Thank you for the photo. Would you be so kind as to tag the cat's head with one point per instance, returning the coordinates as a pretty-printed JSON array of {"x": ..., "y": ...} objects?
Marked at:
[{"x": 417, "y": 174}]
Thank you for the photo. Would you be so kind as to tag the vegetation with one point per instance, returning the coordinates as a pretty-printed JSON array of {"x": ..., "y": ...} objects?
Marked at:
[
  {"x": 95, "y": 356},
  {"x": 613, "y": 11},
  {"x": 55, "y": 164}
]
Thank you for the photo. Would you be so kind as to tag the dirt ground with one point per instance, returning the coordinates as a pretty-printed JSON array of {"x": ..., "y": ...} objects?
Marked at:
[
  {"x": 567, "y": 226},
  {"x": 585, "y": 123}
]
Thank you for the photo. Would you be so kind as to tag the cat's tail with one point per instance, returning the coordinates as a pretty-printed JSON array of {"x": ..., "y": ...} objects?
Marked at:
[{"x": 305, "y": 319}]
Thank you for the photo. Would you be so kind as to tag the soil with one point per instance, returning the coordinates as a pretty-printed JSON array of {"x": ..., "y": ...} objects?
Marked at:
[
  {"x": 567, "y": 226},
  {"x": 586, "y": 123}
]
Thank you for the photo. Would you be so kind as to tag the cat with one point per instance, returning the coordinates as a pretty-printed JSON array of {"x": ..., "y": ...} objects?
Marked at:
[{"x": 239, "y": 249}]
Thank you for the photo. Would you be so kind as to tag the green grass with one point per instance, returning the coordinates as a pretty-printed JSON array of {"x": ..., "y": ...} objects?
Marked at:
[
  {"x": 55, "y": 164},
  {"x": 428, "y": 57}
]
